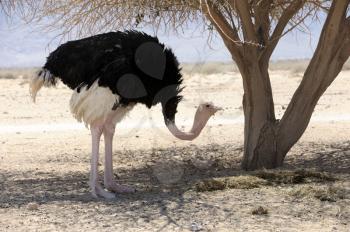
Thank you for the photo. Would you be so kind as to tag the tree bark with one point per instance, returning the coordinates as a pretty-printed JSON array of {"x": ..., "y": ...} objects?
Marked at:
[{"x": 259, "y": 114}]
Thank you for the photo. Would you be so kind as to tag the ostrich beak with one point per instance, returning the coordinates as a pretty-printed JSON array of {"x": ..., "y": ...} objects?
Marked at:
[{"x": 217, "y": 108}]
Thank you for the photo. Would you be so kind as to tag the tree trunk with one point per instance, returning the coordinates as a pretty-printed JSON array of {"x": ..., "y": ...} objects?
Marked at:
[
  {"x": 260, "y": 122},
  {"x": 267, "y": 140}
]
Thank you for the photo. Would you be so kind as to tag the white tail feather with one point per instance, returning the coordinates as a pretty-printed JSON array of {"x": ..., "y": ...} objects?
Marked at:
[{"x": 42, "y": 78}]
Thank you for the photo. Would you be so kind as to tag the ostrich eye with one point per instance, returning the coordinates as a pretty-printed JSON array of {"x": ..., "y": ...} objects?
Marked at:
[{"x": 207, "y": 105}]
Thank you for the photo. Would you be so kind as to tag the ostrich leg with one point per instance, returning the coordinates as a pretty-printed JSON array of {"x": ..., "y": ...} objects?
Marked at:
[
  {"x": 109, "y": 182},
  {"x": 96, "y": 188}
]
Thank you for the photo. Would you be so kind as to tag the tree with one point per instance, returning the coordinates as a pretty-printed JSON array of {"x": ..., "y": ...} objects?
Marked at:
[{"x": 251, "y": 30}]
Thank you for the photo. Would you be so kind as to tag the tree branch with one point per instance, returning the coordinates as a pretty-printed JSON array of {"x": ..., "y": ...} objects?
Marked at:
[
  {"x": 345, "y": 51},
  {"x": 228, "y": 32},
  {"x": 246, "y": 19},
  {"x": 336, "y": 25},
  {"x": 286, "y": 16},
  {"x": 262, "y": 20},
  {"x": 332, "y": 51}
]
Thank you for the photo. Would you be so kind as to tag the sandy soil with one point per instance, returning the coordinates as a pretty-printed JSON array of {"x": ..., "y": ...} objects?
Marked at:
[{"x": 44, "y": 165}]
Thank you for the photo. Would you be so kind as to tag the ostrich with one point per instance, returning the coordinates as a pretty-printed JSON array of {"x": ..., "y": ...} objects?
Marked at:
[{"x": 110, "y": 73}]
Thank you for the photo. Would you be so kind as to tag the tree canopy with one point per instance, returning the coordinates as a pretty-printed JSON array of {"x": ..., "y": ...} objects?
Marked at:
[{"x": 92, "y": 16}]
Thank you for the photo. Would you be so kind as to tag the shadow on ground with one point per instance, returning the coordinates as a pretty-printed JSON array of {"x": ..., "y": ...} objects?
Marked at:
[{"x": 161, "y": 175}]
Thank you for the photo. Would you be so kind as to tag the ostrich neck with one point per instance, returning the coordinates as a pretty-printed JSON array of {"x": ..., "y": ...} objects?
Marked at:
[{"x": 198, "y": 124}]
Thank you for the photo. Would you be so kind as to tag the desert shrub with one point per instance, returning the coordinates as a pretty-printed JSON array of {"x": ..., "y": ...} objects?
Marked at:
[
  {"x": 14, "y": 73},
  {"x": 323, "y": 193}
]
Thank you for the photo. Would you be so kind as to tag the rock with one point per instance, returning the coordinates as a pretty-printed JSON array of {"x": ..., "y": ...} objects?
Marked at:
[
  {"x": 260, "y": 211},
  {"x": 33, "y": 206},
  {"x": 196, "y": 227}
]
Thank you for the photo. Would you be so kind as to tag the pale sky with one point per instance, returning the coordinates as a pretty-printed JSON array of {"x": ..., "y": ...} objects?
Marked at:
[{"x": 23, "y": 46}]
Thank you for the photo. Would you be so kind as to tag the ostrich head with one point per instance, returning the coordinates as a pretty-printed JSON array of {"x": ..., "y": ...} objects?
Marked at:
[
  {"x": 206, "y": 110},
  {"x": 202, "y": 115}
]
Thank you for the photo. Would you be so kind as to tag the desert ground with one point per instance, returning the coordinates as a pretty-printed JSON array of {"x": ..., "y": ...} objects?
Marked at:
[{"x": 181, "y": 186}]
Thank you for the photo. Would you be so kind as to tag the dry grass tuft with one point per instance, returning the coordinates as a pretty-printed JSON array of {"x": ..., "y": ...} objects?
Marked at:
[
  {"x": 263, "y": 178},
  {"x": 234, "y": 182},
  {"x": 323, "y": 193},
  {"x": 293, "y": 177},
  {"x": 260, "y": 211},
  {"x": 210, "y": 185},
  {"x": 245, "y": 182}
]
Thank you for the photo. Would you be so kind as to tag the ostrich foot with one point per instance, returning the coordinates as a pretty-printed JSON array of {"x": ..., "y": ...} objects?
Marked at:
[
  {"x": 117, "y": 188},
  {"x": 98, "y": 191}
]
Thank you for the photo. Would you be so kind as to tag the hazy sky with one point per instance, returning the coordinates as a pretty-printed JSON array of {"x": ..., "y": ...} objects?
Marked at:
[{"x": 21, "y": 45}]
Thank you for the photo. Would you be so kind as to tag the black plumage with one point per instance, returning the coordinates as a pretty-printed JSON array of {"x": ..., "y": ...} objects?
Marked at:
[{"x": 133, "y": 65}]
